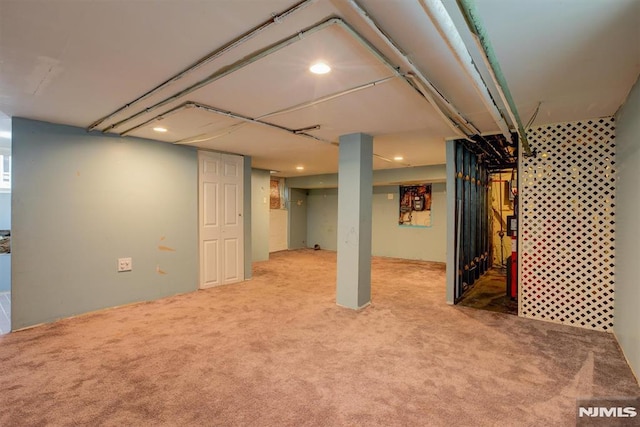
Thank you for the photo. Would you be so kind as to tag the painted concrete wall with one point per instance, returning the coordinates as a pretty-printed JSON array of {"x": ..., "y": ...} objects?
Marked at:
[
  {"x": 389, "y": 239},
  {"x": 81, "y": 201},
  {"x": 278, "y": 230},
  {"x": 5, "y": 272},
  {"x": 417, "y": 174},
  {"x": 5, "y": 259},
  {"x": 627, "y": 289},
  {"x": 297, "y": 218},
  {"x": 260, "y": 214},
  {"x": 5, "y": 211},
  {"x": 322, "y": 218}
]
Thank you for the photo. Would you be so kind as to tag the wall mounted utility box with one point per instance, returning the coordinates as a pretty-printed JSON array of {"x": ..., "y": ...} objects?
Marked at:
[{"x": 124, "y": 264}]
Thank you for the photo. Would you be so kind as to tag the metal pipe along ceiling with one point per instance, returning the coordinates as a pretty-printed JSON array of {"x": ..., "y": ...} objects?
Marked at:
[
  {"x": 255, "y": 57},
  {"x": 187, "y": 105},
  {"x": 326, "y": 98},
  {"x": 275, "y": 19},
  {"x": 226, "y": 71},
  {"x": 448, "y": 31},
  {"x": 259, "y": 120},
  {"x": 486, "y": 49},
  {"x": 426, "y": 87},
  {"x": 314, "y": 102}
]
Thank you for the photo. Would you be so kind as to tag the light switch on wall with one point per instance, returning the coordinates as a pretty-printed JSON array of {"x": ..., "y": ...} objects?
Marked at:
[{"x": 390, "y": 196}]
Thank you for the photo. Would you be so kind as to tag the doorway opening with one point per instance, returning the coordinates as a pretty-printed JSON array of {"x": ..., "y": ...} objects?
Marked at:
[
  {"x": 496, "y": 290},
  {"x": 485, "y": 208}
]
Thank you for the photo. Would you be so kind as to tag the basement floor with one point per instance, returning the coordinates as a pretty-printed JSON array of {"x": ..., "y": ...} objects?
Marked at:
[
  {"x": 5, "y": 312},
  {"x": 276, "y": 350},
  {"x": 489, "y": 293}
]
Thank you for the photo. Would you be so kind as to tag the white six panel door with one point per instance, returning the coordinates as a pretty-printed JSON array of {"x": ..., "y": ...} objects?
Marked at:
[{"x": 220, "y": 219}]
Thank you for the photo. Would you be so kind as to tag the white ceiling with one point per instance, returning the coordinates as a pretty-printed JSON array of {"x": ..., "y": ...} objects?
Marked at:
[{"x": 74, "y": 62}]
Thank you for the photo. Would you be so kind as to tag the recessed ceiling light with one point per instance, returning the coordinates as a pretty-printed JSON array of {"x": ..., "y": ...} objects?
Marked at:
[
  {"x": 160, "y": 129},
  {"x": 300, "y": 168},
  {"x": 398, "y": 158},
  {"x": 272, "y": 172},
  {"x": 320, "y": 68}
]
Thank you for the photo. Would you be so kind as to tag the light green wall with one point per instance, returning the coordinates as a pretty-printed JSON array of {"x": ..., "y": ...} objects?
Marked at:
[
  {"x": 322, "y": 218},
  {"x": 297, "y": 218},
  {"x": 5, "y": 211},
  {"x": 5, "y": 259},
  {"x": 5, "y": 272},
  {"x": 627, "y": 290},
  {"x": 260, "y": 214},
  {"x": 81, "y": 201},
  {"x": 389, "y": 239},
  {"x": 433, "y": 173}
]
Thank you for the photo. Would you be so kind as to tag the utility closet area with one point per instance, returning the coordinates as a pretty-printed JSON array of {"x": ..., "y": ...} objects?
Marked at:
[{"x": 486, "y": 223}]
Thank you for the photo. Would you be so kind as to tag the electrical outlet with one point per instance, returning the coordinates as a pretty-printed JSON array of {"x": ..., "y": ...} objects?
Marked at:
[{"x": 124, "y": 264}]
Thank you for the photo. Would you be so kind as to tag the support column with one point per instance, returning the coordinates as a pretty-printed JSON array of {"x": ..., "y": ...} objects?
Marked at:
[
  {"x": 355, "y": 193},
  {"x": 452, "y": 218}
]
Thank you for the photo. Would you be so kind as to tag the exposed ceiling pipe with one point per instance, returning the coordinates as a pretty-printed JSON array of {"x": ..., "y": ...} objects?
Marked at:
[
  {"x": 378, "y": 156},
  {"x": 299, "y": 132},
  {"x": 311, "y": 103},
  {"x": 326, "y": 98},
  {"x": 496, "y": 154},
  {"x": 275, "y": 19},
  {"x": 470, "y": 130},
  {"x": 255, "y": 57},
  {"x": 227, "y": 70},
  {"x": 431, "y": 93},
  {"x": 189, "y": 104},
  {"x": 482, "y": 39},
  {"x": 476, "y": 148},
  {"x": 448, "y": 31},
  {"x": 425, "y": 93}
]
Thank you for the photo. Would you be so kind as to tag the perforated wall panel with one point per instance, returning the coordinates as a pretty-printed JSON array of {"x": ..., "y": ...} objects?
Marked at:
[{"x": 567, "y": 222}]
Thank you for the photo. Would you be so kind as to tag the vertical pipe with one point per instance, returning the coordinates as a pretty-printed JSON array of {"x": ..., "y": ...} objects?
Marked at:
[
  {"x": 485, "y": 219},
  {"x": 485, "y": 251}
]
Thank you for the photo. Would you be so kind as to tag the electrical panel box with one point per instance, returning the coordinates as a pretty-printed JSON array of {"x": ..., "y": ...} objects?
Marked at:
[{"x": 512, "y": 225}]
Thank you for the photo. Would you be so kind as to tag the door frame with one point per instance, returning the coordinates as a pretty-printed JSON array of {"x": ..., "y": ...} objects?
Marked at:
[{"x": 239, "y": 163}]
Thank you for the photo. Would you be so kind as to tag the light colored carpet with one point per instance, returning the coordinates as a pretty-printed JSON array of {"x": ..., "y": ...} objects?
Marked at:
[{"x": 277, "y": 351}]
